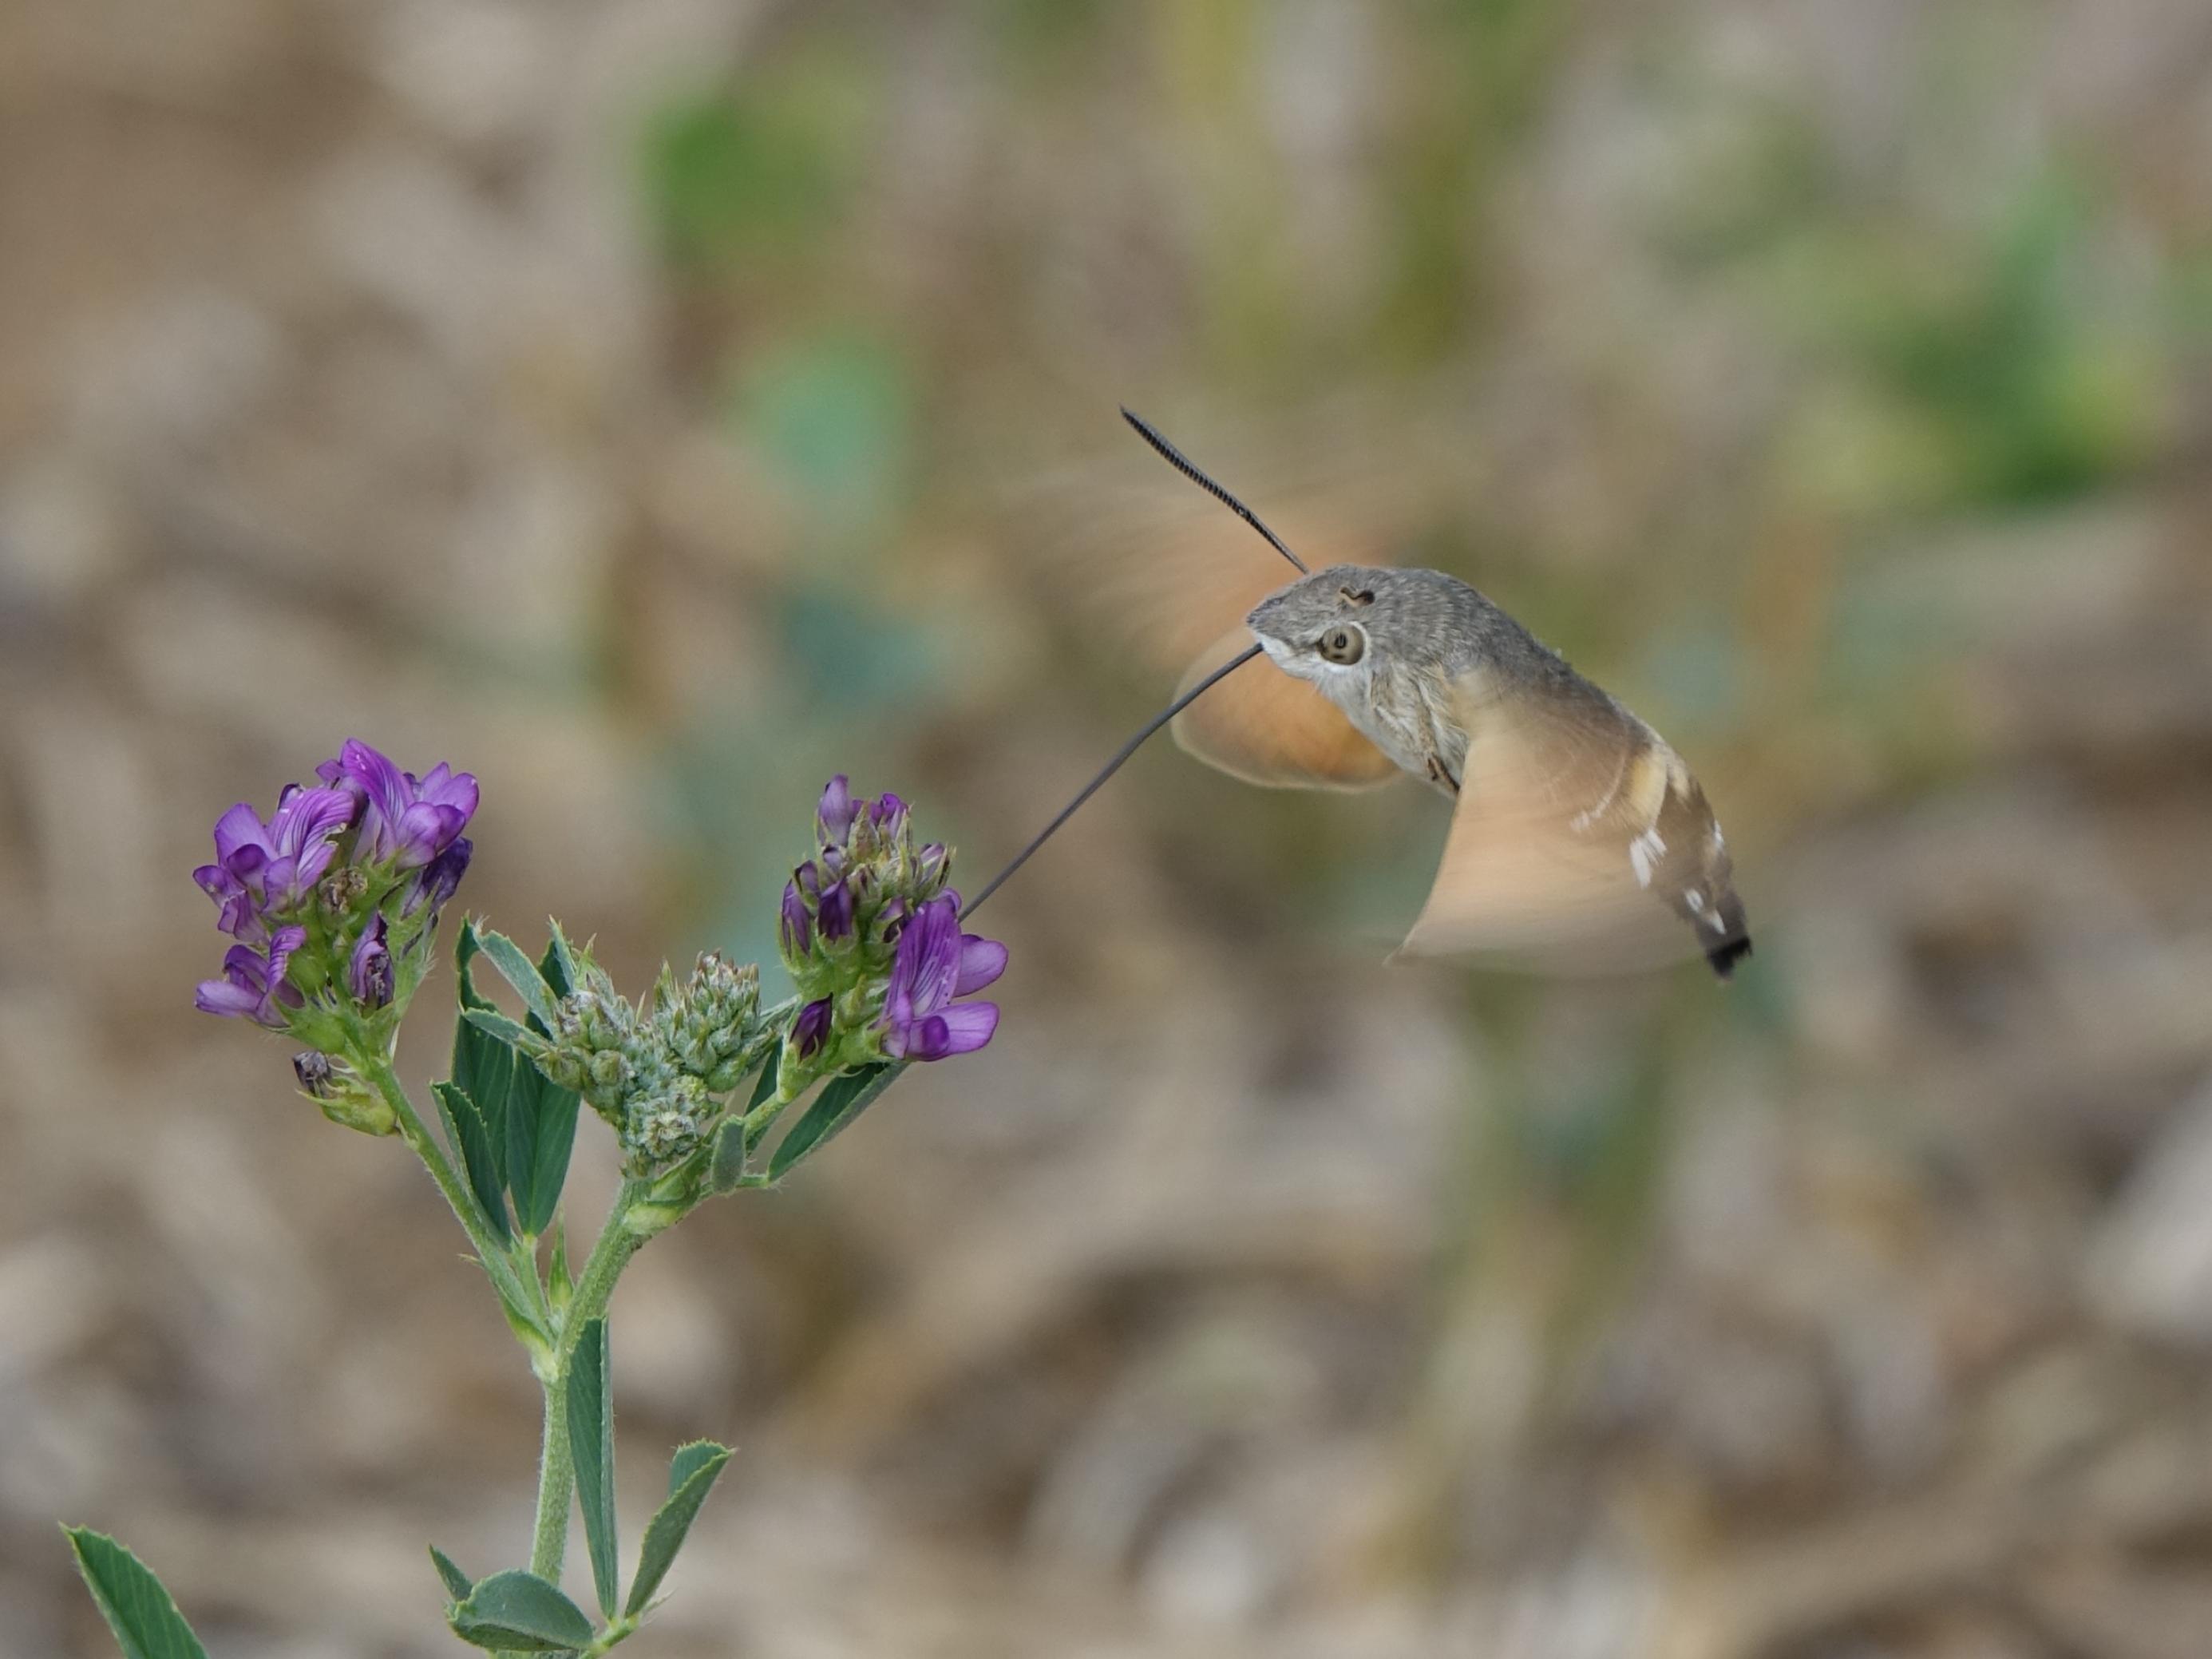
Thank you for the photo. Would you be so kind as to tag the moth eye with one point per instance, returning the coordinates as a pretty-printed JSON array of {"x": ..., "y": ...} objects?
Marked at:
[{"x": 1343, "y": 645}]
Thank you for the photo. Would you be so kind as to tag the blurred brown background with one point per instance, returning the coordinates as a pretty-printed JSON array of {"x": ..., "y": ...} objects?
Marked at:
[{"x": 654, "y": 408}]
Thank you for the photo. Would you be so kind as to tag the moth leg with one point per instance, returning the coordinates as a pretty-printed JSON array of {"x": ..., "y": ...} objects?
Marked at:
[{"x": 1441, "y": 777}]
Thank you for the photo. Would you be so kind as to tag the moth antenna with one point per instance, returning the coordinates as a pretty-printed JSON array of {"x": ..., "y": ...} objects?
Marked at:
[
  {"x": 1182, "y": 463},
  {"x": 1112, "y": 765}
]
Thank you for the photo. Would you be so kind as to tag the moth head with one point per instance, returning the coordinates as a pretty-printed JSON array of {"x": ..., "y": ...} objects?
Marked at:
[{"x": 1321, "y": 628}]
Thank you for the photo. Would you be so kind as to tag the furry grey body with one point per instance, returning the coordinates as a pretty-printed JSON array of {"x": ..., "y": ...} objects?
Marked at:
[{"x": 1423, "y": 631}]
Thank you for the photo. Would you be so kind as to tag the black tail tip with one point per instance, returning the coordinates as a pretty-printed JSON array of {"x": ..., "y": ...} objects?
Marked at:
[{"x": 1724, "y": 958}]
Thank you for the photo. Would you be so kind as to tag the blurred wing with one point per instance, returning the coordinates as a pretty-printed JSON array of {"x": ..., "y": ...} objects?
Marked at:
[
  {"x": 1581, "y": 842},
  {"x": 1268, "y": 728},
  {"x": 1150, "y": 562}
]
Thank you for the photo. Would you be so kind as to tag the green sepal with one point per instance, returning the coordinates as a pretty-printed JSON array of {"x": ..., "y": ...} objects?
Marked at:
[
  {"x": 458, "y": 1586},
  {"x": 495, "y": 1025},
  {"x": 536, "y": 1341},
  {"x": 139, "y": 1609},
  {"x": 520, "y": 1612},
  {"x": 518, "y": 971},
  {"x": 472, "y": 1137},
  {"x": 591, "y": 1443},
  {"x": 843, "y": 1098},
  {"x": 558, "y": 965},
  {"x": 691, "y": 1475}
]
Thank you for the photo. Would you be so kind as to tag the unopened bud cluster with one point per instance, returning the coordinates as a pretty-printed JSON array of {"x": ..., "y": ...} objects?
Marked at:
[{"x": 655, "y": 1072}]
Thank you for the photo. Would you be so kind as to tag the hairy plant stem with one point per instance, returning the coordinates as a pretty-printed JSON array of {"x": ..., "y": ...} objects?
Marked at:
[
  {"x": 551, "y": 1337},
  {"x": 518, "y": 1289},
  {"x": 618, "y": 1241}
]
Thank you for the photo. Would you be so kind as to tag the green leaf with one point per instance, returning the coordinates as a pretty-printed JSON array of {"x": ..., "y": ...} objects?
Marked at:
[
  {"x": 843, "y": 1098},
  {"x": 473, "y": 1138},
  {"x": 541, "y": 1116},
  {"x": 692, "y": 1456},
  {"x": 466, "y": 951},
  {"x": 457, "y": 1582},
  {"x": 518, "y": 971},
  {"x": 529, "y": 1123},
  {"x": 522, "y": 1614},
  {"x": 691, "y": 1474},
  {"x": 592, "y": 1441},
  {"x": 140, "y": 1612},
  {"x": 764, "y": 1085},
  {"x": 538, "y": 1198},
  {"x": 483, "y": 1069}
]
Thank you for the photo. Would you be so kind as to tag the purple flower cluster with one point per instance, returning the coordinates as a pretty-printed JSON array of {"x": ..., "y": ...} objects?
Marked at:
[
  {"x": 327, "y": 876},
  {"x": 872, "y": 936}
]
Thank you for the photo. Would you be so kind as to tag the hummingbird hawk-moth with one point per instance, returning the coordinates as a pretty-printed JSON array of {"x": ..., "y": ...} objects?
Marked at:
[{"x": 1578, "y": 836}]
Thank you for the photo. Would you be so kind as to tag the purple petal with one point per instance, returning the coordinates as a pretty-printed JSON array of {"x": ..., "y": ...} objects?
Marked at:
[
  {"x": 812, "y": 1029},
  {"x": 796, "y": 928},
  {"x": 253, "y": 986},
  {"x": 960, "y": 1031},
  {"x": 244, "y": 966},
  {"x": 239, "y": 827},
  {"x": 440, "y": 879},
  {"x": 281, "y": 943},
  {"x": 237, "y": 914},
  {"x": 890, "y": 813},
  {"x": 278, "y": 883},
  {"x": 981, "y": 961},
  {"x": 383, "y": 784},
  {"x": 219, "y": 884},
  {"x": 834, "y": 914},
  {"x": 834, "y": 815},
  {"x": 306, "y": 817},
  {"x": 369, "y": 973},
  {"x": 929, "y": 948},
  {"x": 423, "y": 831},
  {"x": 444, "y": 787},
  {"x": 384, "y": 789},
  {"x": 312, "y": 865},
  {"x": 226, "y": 998}
]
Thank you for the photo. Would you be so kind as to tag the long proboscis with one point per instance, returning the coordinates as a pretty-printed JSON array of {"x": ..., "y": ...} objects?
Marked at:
[
  {"x": 1182, "y": 463},
  {"x": 1107, "y": 771}
]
